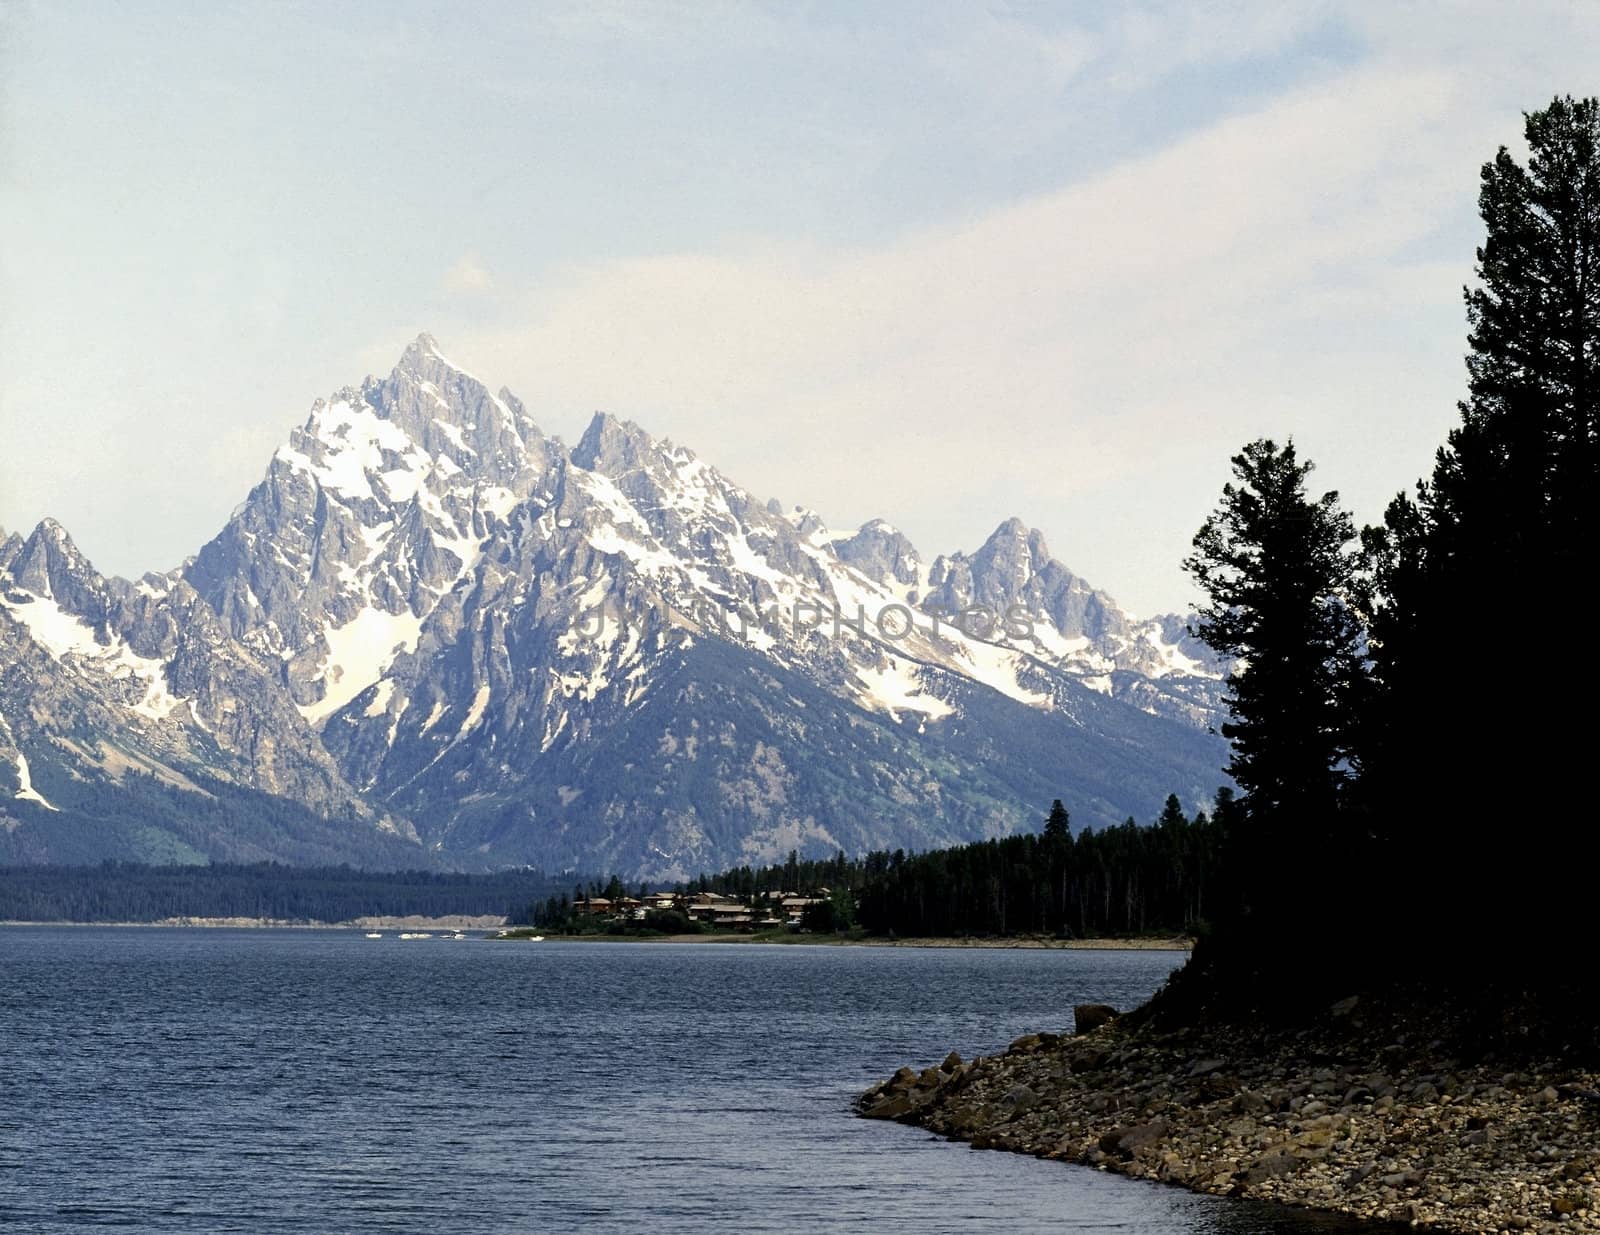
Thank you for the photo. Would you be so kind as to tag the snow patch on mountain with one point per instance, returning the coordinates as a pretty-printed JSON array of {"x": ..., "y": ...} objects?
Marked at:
[
  {"x": 27, "y": 793},
  {"x": 59, "y": 632},
  {"x": 75, "y": 643},
  {"x": 897, "y": 687},
  {"x": 359, "y": 653}
]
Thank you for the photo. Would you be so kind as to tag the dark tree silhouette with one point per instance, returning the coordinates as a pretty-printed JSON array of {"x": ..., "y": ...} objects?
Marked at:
[
  {"x": 1499, "y": 538},
  {"x": 1280, "y": 579}
]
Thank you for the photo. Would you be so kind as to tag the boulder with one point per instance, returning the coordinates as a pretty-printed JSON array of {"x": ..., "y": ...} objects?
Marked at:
[
  {"x": 889, "y": 1108},
  {"x": 1249, "y": 1102},
  {"x": 1270, "y": 1166},
  {"x": 1125, "y": 1142},
  {"x": 1567, "y": 1203},
  {"x": 1018, "y": 1100},
  {"x": 1087, "y": 1017}
]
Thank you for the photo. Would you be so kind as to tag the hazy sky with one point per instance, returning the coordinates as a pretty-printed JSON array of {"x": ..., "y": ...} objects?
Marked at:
[{"x": 938, "y": 263}]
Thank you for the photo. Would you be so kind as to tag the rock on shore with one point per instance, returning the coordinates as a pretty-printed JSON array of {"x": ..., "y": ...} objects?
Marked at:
[{"x": 1345, "y": 1117}]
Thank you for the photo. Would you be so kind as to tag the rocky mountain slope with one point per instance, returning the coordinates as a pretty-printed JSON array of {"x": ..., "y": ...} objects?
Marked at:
[{"x": 432, "y": 625}]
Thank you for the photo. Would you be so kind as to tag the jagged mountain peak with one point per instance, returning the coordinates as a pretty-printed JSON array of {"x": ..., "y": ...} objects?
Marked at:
[
  {"x": 612, "y": 446},
  {"x": 1012, "y": 556},
  {"x": 1014, "y": 567},
  {"x": 429, "y": 426},
  {"x": 421, "y": 351},
  {"x": 448, "y": 410},
  {"x": 1015, "y": 539},
  {"x": 10, "y": 545},
  {"x": 375, "y": 508},
  {"x": 50, "y": 532},
  {"x": 882, "y": 552},
  {"x": 424, "y": 361},
  {"x": 50, "y": 565}
]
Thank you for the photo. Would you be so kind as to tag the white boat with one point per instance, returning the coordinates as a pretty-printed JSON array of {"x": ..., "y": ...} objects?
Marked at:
[
  {"x": 374, "y": 934},
  {"x": 415, "y": 935}
]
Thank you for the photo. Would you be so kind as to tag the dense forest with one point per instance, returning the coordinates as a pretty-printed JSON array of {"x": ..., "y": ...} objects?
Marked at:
[
  {"x": 125, "y": 892},
  {"x": 1127, "y": 880},
  {"x": 1411, "y": 757}
]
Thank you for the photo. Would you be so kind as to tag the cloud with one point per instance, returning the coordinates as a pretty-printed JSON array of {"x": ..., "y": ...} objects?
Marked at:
[
  {"x": 1087, "y": 359},
  {"x": 938, "y": 262},
  {"x": 468, "y": 276}
]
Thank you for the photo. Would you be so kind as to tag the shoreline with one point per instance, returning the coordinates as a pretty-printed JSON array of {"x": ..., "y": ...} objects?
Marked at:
[
  {"x": 823, "y": 941},
  {"x": 1341, "y": 1117},
  {"x": 448, "y": 922},
  {"x": 487, "y": 922}
]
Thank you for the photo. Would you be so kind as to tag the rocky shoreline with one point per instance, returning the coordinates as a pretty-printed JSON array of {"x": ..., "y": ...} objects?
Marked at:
[{"x": 1359, "y": 1115}]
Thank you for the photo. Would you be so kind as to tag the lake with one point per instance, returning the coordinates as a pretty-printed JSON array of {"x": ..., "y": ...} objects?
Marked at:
[{"x": 273, "y": 1081}]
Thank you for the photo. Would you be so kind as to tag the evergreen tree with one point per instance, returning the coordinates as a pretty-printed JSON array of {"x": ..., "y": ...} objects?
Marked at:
[
  {"x": 1280, "y": 580},
  {"x": 1534, "y": 367},
  {"x": 1058, "y": 856},
  {"x": 1281, "y": 583}
]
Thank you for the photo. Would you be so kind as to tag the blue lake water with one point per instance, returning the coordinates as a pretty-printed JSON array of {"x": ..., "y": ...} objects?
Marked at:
[{"x": 299, "y": 1081}]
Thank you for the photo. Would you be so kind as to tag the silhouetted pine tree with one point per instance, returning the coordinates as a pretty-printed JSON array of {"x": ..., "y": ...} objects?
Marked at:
[{"x": 1280, "y": 579}]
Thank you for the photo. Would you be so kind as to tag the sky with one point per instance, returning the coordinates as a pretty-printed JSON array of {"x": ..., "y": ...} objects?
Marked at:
[{"x": 939, "y": 263}]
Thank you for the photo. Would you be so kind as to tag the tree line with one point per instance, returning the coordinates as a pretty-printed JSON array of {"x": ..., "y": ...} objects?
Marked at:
[{"x": 1126, "y": 880}]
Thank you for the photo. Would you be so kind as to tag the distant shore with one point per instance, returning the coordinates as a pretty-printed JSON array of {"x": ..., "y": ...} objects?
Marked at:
[
  {"x": 412, "y": 922},
  {"x": 486, "y": 922}
]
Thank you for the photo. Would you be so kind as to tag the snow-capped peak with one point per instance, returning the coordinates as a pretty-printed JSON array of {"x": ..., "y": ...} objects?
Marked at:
[{"x": 371, "y": 512}]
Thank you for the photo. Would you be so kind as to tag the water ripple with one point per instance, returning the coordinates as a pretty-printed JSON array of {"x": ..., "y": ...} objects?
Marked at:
[{"x": 275, "y": 1082}]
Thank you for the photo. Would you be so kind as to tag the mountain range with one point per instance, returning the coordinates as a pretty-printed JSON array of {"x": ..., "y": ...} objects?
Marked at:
[{"x": 433, "y": 635}]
